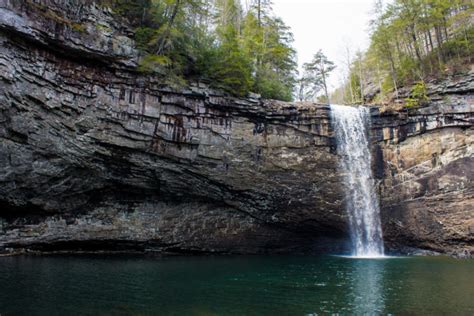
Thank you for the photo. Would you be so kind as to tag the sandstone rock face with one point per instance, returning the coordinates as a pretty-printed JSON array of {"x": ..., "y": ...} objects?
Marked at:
[
  {"x": 80, "y": 27},
  {"x": 96, "y": 156},
  {"x": 93, "y": 151},
  {"x": 426, "y": 171}
]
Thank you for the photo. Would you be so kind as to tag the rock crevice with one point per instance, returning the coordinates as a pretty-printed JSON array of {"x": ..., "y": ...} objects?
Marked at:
[{"x": 95, "y": 155}]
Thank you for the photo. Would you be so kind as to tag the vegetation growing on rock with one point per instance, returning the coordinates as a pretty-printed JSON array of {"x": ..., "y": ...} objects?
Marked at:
[
  {"x": 218, "y": 41},
  {"x": 418, "y": 95},
  {"x": 411, "y": 41}
]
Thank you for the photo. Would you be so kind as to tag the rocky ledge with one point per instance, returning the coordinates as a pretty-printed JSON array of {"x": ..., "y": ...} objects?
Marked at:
[{"x": 96, "y": 156}]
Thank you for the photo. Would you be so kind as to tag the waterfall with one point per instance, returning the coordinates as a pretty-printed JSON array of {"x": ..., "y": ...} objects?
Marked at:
[{"x": 351, "y": 127}]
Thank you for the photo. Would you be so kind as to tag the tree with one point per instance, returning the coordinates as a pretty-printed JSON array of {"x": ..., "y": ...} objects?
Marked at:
[
  {"x": 317, "y": 72},
  {"x": 214, "y": 41},
  {"x": 262, "y": 8},
  {"x": 268, "y": 42},
  {"x": 414, "y": 41},
  {"x": 233, "y": 68},
  {"x": 382, "y": 46},
  {"x": 306, "y": 89},
  {"x": 348, "y": 63}
]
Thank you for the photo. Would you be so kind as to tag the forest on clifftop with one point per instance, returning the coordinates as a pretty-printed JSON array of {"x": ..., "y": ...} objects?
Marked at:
[{"x": 248, "y": 49}]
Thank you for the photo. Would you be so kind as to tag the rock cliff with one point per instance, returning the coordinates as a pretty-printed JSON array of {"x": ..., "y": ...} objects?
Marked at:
[
  {"x": 97, "y": 156},
  {"x": 425, "y": 163}
]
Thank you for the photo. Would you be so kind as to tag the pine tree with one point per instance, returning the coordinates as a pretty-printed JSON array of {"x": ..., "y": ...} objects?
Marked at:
[
  {"x": 316, "y": 74},
  {"x": 214, "y": 41}
]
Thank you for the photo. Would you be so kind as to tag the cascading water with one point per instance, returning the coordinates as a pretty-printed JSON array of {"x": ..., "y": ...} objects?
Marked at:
[{"x": 351, "y": 126}]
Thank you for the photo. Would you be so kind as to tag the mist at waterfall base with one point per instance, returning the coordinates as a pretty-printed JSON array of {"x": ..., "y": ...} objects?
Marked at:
[
  {"x": 243, "y": 285},
  {"x": 351, "y": 127}
]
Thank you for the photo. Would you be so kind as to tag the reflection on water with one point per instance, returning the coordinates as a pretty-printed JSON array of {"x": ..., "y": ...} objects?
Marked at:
[
  {"x": 368, "y": 287},
  {"x": 272, "y": 285}
]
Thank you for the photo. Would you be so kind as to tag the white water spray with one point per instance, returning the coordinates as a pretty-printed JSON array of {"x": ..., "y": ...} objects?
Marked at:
[{"x": 351, "y": 126}]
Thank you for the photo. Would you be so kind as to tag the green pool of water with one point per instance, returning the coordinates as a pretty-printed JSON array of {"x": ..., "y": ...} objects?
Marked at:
[{"x": 271, "y": 285}]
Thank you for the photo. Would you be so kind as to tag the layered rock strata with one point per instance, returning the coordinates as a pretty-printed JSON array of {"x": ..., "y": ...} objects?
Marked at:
[
  {"x": 97, "y": 156},
  {"x": 426, "y": 171}
]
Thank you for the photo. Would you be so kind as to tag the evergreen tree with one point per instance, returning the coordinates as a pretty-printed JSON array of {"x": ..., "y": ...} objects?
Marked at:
[
  {"x": 316, "y": 74},
  {"x": 413, "y": 41},
  {"x": 216, "y": 41}
]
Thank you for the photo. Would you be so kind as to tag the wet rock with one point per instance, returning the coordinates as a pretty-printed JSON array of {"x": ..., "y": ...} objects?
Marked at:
[
  {"x": 95, "y": 155},
  {"x": 97, "y": 152},
  {"x": 427, "y": 190}
]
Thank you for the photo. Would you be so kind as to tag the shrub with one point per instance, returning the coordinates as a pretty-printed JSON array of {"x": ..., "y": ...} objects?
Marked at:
[{"x": 418, "y": 96}]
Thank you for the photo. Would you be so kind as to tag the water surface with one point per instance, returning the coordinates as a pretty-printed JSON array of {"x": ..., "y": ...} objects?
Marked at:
[{"x": 271, "y": 285}]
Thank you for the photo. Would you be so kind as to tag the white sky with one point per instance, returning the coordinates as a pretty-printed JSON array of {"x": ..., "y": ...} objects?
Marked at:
[{"x": 329, "y": 25}]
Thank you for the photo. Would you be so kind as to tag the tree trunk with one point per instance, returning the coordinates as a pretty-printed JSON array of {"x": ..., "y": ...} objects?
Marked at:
[
  {"x": 161, "y": 47},
  {"x": 259, "y": 12},
  {"x": 393, "y": 73},
  {"x": 445, "y": 27},
  {"x": 439, "y": 42},
  {"x": 379, "y": 78},
  {"x": 427, "y": 43},
  {"x": 348, "y": 61},
  {"x": 361, "y": 80},
  {"x": 415, "y": 43},
  {"x": 430, "y": 39},
  {"x": 301, "y": 92},
  {"x": 351, "y": 90},
  {"x": 438, "y": 51},
  {"x": 409, "y": 49},
  {"x": 323, "y": 73}
]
